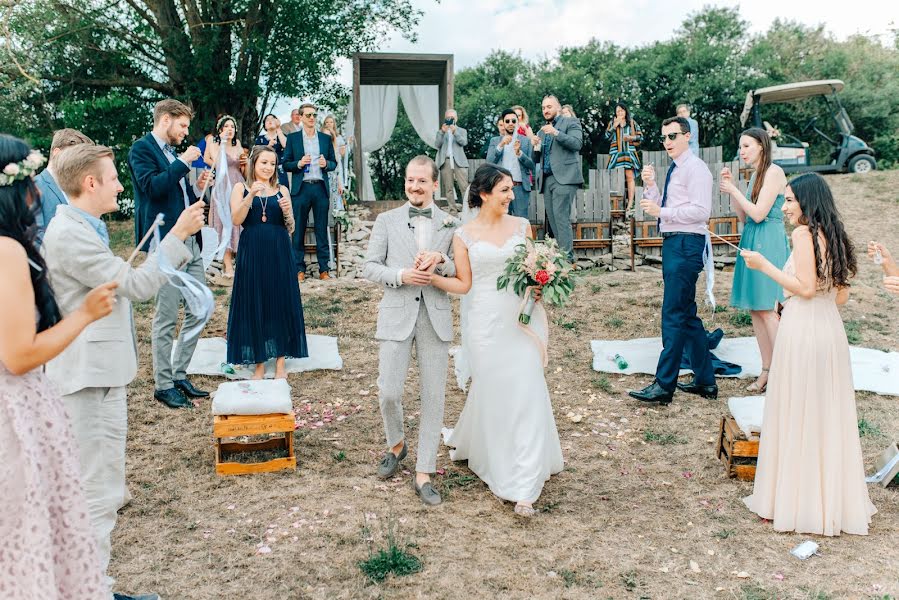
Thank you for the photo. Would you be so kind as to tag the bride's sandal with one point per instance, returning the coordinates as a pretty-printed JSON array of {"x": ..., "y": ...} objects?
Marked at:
[
  {"x": 524, "y": 510},
  {"x": 755, "y": 386}
]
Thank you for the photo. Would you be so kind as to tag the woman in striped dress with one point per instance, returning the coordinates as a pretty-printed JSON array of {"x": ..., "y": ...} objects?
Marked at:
[{"x": 624, "y": 137}]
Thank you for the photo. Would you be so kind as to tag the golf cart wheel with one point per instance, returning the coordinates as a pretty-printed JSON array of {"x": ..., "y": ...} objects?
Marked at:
[{"x": 862, "y": 164}]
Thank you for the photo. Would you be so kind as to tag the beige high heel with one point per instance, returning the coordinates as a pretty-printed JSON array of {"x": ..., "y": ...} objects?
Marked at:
[{"x": 755, "y": 387}]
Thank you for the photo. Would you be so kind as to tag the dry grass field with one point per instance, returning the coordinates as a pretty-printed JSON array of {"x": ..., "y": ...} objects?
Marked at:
[{"x": 643, "y": 508}]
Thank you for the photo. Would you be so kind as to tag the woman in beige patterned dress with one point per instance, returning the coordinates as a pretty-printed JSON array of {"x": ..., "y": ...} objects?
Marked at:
[
  {"x": 47, "y": 548},
  {"x": 810, "y": 476}
]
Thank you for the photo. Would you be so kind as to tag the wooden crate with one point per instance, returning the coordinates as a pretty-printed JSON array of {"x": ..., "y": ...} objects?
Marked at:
[
  {"x": 738, "y": 453},
  {"x": 279, "y": 428}
]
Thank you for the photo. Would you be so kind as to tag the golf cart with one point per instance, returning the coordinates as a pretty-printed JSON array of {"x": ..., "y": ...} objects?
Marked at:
[{"x": 849, "y": 154}]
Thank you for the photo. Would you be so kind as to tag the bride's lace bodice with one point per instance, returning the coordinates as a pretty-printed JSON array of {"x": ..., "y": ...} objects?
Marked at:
[{"x": 487, "y": 259}]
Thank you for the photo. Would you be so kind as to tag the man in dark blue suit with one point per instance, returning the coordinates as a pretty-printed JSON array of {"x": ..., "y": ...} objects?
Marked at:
[
  {"x": 51, "y": 194},
  {"x": 160, "y": 186},
  {"x": 308, "y": 157}
]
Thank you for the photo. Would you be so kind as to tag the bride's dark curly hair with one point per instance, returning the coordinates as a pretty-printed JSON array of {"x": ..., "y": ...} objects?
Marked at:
[
  {"x": 220, "y": 124},
  {"x": 820, "y": 214},
  {"x": 17, "y": 222},
  {"x": 485, "y": 179}
]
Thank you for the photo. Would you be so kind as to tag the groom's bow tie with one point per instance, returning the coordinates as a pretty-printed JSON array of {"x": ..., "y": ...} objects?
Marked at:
[{"x": 419, "y": 212}]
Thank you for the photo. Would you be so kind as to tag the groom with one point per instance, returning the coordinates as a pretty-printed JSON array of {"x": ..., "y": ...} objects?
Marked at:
[{"x": 413, "y": 311}]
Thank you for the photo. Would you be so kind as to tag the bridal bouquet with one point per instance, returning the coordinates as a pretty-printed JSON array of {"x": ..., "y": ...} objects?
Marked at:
[{"x": 538, "y": 264}]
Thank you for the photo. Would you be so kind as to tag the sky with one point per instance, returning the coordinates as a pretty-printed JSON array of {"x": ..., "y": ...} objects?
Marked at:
[{"x": 471, "y": 29}]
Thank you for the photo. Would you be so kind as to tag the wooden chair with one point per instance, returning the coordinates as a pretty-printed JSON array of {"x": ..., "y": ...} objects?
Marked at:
[
  {"x": 644, "y": 230},
  {"x": 309, "y": 242},
  {"x": 593, "y": 219}
]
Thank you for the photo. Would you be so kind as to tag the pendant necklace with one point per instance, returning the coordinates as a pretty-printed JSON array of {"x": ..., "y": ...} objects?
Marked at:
[{"x": 264, "y": 203}]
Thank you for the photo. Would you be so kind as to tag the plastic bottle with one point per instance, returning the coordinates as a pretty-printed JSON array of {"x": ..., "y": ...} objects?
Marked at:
[{"x": 620, "y": 362}]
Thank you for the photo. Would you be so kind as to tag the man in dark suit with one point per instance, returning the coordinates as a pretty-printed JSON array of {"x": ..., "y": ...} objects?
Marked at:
[
  {"x": 559, "y": 171},
  {"x": 51, "y": 194},
  {"x": 308, "y": 157},
  {"x": 160, "y": 186}
]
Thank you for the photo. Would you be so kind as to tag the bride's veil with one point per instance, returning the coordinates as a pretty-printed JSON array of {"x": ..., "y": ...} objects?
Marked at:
[{"x": 462, "y": 367}]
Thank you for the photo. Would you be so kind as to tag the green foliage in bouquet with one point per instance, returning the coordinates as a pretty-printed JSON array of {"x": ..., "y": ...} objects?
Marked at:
[{"x": 539, "y": 263}]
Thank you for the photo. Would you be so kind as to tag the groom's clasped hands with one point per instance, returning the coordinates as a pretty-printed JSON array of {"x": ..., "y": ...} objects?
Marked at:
[{"x": 426, "y": 262}]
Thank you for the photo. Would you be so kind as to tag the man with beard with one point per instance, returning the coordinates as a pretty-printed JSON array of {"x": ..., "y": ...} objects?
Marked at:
[{"x": 513, "y": 152}]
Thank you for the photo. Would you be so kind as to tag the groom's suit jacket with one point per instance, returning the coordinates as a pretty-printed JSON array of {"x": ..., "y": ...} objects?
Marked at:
[
  {"x": 391, "y": 248},
  {"x": 105, "y": 353}
]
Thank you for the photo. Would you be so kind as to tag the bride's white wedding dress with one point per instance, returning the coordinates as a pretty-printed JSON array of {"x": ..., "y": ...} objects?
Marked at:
[{"x": 506, "y": 431}]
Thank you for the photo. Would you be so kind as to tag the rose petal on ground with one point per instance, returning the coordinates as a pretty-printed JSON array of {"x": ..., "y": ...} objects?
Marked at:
[{"x": 264, "y": 550}]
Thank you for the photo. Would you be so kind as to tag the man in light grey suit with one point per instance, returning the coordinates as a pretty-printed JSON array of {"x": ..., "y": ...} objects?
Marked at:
[
  {"x": 408, "y": 246},
  {"x": 93, "y": 372},
  {"x": 51, "y": 195},
  {"x": 559, "y": 174},
  {"x": 514, "y": 152},
  {"x": 451, "y": 160}
]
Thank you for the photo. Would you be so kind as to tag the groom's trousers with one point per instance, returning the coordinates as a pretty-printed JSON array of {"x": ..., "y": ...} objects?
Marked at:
[{"x": 393, "y": 366}]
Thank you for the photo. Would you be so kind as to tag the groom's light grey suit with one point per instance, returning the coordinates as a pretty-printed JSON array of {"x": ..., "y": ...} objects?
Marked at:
[{"x": 410, "y": 313}]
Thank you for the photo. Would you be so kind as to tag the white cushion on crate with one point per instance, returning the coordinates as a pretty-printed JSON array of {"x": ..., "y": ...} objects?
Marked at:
[
  {"x": 262, "y": 397},
  {"x": 748, "y": 412}
]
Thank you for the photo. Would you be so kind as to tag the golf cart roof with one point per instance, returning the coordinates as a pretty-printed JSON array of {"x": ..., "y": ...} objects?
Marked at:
[{"x": 788, "y": 92}]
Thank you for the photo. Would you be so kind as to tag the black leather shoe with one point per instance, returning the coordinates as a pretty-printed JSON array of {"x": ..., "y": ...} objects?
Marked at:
[
  {"x": 653, "y": 393},
  {"x": 138, "y": 597},
  {"x": 189, "y": 390},
  {"x": 706, "y": 391},
  {"x": 173, "y": 398}
]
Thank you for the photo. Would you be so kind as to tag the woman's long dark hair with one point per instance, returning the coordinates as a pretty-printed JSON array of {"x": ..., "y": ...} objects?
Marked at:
[
  {"x": 485, "y": 179},
  {"x": 17, "y": 222},
  {"x": 220, "y": 124},
  {"x": 820, "y": 214},
  {"x": 764, "y": 140},
  {"x": 628, "y": 120}
]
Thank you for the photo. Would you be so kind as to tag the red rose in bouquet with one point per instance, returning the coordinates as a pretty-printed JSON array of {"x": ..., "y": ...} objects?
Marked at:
[{"x": 541, "y": 277}]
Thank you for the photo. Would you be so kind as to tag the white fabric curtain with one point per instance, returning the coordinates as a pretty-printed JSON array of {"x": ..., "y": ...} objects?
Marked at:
[{"x": 379, "y": 105}]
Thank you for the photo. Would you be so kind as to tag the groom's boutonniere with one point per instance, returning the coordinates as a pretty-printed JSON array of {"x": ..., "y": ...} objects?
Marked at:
[{"x": 449, "y": 222}]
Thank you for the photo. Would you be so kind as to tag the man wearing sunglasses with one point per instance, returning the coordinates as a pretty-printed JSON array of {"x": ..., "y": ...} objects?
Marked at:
[
  {"x": 514, "y": 153},
  {"x": 308, "y": 157},
  {"x": 683, "y": 207}
]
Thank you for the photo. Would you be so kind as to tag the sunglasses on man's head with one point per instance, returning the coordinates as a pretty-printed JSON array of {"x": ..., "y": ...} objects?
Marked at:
[
  {"x": 513, "y": 121},
  {"x": 672, "y": 136}
]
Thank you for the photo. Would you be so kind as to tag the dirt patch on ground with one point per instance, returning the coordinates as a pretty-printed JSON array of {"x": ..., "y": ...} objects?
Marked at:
[{"x": 642, "y": 494}]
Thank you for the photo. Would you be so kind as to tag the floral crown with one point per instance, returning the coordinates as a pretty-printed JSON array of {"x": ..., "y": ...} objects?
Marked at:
[{"x": 16, "y": 171}]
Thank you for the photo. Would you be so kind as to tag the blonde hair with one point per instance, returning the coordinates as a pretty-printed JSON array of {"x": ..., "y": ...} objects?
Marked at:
[
  {"x": 171, "y": 107},
  {"x": 76, "y": 163},
  {"x": 63, "y": 138},
  {"x": 251, "y": 166},
  {"x": 524, "y": 115}
]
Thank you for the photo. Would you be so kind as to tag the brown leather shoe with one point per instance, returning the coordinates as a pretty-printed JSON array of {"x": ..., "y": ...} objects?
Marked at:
[
  {"x": 301, "y": 277},
  {"x": 324, "y": 276}
]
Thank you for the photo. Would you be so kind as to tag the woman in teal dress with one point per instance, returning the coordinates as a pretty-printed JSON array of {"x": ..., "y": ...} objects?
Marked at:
[{"x": 763, "y": 232}]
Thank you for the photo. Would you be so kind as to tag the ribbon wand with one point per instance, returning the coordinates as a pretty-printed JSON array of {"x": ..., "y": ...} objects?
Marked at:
[
  {"x": 737, "y": 248},
  {"x": 158, "y": 221}
]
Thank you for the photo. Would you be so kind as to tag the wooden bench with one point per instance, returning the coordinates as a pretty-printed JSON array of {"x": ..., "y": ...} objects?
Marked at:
[
  {"x": 644, "y": 230},
  {"x": 227, "y": 428},
  {"x": 309, "y": 244}
]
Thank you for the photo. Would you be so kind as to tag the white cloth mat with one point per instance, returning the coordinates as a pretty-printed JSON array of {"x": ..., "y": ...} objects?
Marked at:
[
  {"x": 748, "y": 412},
  {"x": 872, "y": 370},
  {"x": 265, "y": 397},
  {"x": 211, "y": 353}
]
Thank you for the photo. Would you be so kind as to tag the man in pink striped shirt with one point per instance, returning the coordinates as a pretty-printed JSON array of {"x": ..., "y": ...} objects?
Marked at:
[{"x": 683, "y": 208}]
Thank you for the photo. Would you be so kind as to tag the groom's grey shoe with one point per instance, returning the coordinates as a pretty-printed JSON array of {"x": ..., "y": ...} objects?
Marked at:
[
  {"x": 390, "y": 464},
  {"x": 427, "y": 493}
]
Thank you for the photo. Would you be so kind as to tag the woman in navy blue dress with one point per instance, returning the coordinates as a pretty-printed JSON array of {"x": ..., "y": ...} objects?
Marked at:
[
  {"x": 274, "y": 138},
  {"x": 266, "y": 316}
]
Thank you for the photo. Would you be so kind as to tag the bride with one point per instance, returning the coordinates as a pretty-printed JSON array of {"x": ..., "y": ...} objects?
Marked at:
[{"x": 506, "y": 431}]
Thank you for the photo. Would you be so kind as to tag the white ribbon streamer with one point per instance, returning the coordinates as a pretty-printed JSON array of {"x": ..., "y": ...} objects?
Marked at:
[
  {"x": 708, "y": 262},
  {"x": 221, "y": 196},
  {"x": 198, "y": 299}
]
